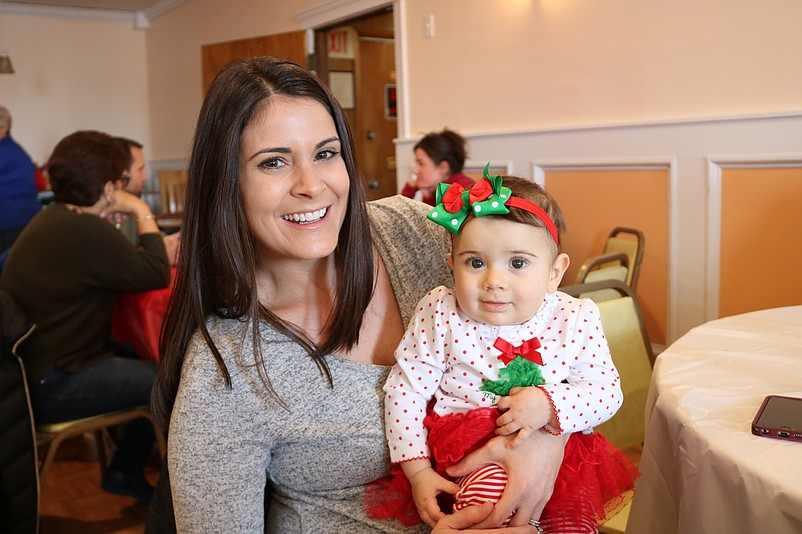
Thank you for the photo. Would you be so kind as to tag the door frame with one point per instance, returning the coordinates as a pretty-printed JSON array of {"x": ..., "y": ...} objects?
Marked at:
[{"x": 331, "y": 13}]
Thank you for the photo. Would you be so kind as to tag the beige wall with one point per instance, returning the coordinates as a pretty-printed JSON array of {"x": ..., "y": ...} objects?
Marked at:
[
  {"x": 523, "y": 64},
  {"x": 565, "y": 63},
  {"x": 174, "y": 58},
  {"x": 550, "y": 84},
  {"x": 71, "y": 75}
]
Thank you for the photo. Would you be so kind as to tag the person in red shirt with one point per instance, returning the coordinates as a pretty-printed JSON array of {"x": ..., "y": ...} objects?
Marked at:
[{"x": 439, "y": 157}]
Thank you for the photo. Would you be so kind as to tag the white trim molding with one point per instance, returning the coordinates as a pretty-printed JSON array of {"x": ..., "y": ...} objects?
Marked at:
[
  {"x": 335, "y": 11},
  {"x": 540, "y": 167},
  {"x": 496, "y": 166},
  {"x": 140, "y": 19}
]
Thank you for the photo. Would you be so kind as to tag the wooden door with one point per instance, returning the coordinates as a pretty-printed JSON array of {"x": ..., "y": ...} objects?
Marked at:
[
  {"x": 374, "y": 129},
  {"x": 290, "y": 45}
]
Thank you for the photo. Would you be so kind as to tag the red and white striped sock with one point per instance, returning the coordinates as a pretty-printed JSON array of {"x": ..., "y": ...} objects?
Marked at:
[{"x": 485, "y": 484}]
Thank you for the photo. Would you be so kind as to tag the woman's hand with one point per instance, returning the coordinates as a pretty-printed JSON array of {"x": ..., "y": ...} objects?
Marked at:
[
  {"x": 472, "y": 516},
  {"x": 532, "y": 469},
  {"x": 121, "y": 201}
]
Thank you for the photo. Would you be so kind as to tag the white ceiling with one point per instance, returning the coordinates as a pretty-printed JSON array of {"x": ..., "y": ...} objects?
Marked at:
[{"x": 141, "y": 11}]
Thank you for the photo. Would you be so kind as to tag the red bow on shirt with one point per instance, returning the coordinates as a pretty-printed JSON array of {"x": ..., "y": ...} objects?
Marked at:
[{"x": 527, "y": 350}]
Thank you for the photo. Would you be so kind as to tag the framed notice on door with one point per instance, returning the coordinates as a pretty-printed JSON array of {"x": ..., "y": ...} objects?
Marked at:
[
  {"x": 390, "y": 102},
  {"x": 341, "y": 84}
]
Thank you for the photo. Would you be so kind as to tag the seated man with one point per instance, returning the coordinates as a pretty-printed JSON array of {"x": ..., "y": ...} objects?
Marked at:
[{"x": 133, "y": 180}]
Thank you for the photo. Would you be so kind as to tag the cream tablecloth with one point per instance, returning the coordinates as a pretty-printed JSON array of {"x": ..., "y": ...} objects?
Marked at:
[{"x": 702, "y": 469}]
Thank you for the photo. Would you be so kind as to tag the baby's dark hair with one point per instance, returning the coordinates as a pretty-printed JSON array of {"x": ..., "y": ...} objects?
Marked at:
[{"x": 527, "y": 190}]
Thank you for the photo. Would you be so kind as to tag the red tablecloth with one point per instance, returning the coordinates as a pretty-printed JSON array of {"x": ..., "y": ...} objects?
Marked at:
[{"x": 138, "y": 317}]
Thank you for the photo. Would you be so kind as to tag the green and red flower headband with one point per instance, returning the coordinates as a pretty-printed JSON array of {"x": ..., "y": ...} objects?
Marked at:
[{"x": 488, "y": 196}]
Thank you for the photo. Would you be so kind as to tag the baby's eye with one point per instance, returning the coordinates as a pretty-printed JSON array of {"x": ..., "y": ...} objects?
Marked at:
[
  {"x": 476, "y": 263},
  {"x": 271, "y": 163},
  {"x": 518, "y": 263}
]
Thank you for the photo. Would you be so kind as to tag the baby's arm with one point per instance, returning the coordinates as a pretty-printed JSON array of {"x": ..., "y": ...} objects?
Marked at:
[
  {"x": 412, "y": 382},
  {"x": 426, "y": 485},
  {"x": 591, "y": 392}
]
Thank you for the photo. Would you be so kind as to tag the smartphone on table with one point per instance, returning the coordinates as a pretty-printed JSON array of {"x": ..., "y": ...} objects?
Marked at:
[{"x": 779, "y": 417}]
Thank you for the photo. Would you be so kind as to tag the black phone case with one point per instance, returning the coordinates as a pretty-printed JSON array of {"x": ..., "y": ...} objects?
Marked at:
[{"x": 779, "y": 417}]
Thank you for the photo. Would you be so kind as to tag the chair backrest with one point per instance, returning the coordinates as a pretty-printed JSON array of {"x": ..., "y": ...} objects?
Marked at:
[
  {"x": 632, "y": 354},
  {"x": 631, "y": 242},
  {"x": 173, "y": 189},
  {"x": 609, "y": 266},
  {"x": 19, "y": 499}
]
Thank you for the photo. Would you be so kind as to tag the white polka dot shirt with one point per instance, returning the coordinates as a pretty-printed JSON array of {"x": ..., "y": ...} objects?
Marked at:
[{"x": 445, "y": 356}]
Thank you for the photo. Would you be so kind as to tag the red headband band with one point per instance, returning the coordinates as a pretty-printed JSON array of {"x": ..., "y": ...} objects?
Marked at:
[{"x": 538, "y": 212}]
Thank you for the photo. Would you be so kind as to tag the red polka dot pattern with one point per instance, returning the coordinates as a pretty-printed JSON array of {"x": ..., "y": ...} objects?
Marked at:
[{"x": 445, "y": 356}]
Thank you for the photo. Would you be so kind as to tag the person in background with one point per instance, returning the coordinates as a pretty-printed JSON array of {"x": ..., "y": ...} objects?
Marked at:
[
  {"x": 19, "y": 202},
  {"x": 136, "y": 173},
  {"x": 133, "y": 181},
  {"x": 503, "y": 352},
  {"x": 439, "y": 158},
  {"x": 280, "y": 333},
  {"x": 64, "y": 272}
]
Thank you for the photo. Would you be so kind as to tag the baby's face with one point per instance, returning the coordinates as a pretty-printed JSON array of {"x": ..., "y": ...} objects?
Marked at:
[{"x": 503, "y": 269}]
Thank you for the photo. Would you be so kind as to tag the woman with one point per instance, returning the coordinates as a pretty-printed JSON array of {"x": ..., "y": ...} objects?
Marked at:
[
  {"x": 64, "y": 272},
  {"x": 281, "y": 330},
  {"x": 439, "y": 157}
]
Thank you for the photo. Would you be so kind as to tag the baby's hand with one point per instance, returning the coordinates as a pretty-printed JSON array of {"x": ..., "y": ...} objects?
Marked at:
[
  {"x": 426, "y": 485},
  {"x": 525, "y": 410}
]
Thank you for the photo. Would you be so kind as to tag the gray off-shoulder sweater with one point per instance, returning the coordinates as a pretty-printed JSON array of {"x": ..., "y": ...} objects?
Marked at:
[{"x": 225, "y": 444}]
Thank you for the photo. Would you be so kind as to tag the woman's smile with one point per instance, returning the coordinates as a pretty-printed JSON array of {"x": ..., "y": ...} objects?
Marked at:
[{"x": 306, "y": 217}]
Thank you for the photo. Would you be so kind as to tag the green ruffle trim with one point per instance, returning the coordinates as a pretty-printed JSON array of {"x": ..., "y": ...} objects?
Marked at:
[{"x": 518, "y": 373}]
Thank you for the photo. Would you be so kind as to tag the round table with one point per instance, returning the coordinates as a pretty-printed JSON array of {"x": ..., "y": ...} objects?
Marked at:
[{"x": 702, "y": 470}]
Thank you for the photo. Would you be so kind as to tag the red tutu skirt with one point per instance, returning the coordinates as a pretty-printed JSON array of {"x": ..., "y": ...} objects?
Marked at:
[{"x": 595, "y": 480}]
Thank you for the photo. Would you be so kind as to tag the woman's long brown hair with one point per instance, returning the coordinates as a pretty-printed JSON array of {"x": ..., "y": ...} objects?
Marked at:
[{"x": 217, "y": 259}]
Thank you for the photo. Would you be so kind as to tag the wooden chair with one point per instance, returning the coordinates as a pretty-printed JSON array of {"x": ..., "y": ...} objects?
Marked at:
[
  {"x": 630, "y": 241},
  {"x": 622, "y": 242},
  {"x": 633, "y": 357},
  {"x": 632, "y": 354},
  {"x": 54, "y": 434},
  {"x": 609, "y": 266}
]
